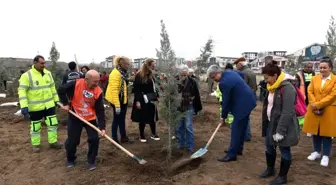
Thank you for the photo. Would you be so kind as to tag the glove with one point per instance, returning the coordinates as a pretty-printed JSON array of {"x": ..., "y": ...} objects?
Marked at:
[
  {"x": 117, "y": 110},
  {"x": 277, "y": 137},
  {"x": 24, "y": 110}
]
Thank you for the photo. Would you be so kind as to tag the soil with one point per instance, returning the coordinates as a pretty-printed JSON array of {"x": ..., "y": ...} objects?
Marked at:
[{"x": 20, "y": 166}]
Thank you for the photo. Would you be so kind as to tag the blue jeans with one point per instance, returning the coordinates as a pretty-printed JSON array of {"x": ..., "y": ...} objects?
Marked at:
[
  {"x": 271, "y": 149},
  {"x": 185, "y": 131},
  {"x": 238, "y": 129},
  {"x": 318, "y": 141},
  {"x": 248, "y": 135},
  {"x": 119, "y": 122}
]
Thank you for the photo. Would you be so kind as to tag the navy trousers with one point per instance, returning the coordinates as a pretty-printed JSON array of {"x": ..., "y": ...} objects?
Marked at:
[
  {"x": 75, "y": 127},
  {"x": 238, "y": 132}
]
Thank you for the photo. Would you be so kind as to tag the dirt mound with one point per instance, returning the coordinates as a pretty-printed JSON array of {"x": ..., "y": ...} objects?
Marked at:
[{"x": 21, "y": 166}]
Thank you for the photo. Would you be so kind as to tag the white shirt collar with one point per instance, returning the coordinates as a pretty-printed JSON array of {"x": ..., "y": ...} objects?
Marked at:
[{"x": 328, "y": 78}]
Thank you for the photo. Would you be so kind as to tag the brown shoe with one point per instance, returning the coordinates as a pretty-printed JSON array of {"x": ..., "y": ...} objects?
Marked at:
[
  {"x": 55, "y": 145},
  {"x": 124, "y": 139},
  {"x": 36, "y": 149}
]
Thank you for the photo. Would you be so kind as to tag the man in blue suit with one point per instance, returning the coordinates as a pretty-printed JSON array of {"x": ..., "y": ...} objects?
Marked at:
[{"x": 238, "y": 99}]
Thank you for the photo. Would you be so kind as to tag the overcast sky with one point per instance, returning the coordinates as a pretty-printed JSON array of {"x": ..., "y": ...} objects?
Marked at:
[{"x": 101, "y": 28}]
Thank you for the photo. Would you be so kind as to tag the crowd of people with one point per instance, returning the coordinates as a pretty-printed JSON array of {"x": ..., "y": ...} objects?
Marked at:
[{"x": 85, "y": 91}]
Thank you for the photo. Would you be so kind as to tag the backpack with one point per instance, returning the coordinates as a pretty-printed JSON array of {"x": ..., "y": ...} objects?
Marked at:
[{"x": 300, "y": 104}]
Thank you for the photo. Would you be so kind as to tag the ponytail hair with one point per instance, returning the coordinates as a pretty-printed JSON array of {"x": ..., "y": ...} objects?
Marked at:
[{"x": 271, "y": 69}]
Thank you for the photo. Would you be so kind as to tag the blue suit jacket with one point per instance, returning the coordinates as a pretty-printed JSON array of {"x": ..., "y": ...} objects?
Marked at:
[{"x": 237, "y": 96}]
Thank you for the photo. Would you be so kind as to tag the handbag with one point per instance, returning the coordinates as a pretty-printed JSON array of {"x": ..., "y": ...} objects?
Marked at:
[{"x": 151, "y": 97}]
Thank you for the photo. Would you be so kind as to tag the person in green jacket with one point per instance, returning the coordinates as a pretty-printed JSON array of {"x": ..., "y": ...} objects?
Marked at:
[{"x": 229, "y": 119}]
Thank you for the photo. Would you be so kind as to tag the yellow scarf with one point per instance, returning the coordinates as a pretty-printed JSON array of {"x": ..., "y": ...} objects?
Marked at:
[{"x": 271, "y": 88}]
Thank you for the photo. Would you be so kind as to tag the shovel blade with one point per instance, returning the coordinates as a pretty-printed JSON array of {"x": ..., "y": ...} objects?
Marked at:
[{"x": 199, "y": 153}]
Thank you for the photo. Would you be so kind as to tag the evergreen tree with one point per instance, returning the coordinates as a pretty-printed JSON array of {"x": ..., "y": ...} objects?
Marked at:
[
  {"x": 166, "y": 53},
  {"x": 57, "y": 72},
  {"x": 206, "y": 52},
  {"x": 54, "y": 55},
  {"x": 170, "y": 98},
  {"x": 331, "y": 40}
]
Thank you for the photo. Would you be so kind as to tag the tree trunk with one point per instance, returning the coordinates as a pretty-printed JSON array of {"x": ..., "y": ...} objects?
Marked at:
[{"x": 169, "y": 136}]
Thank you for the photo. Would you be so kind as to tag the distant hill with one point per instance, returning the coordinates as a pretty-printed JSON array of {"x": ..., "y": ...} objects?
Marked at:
[
  {"x": 24, "y": 62},
  {"x": 13, "y": 65}
]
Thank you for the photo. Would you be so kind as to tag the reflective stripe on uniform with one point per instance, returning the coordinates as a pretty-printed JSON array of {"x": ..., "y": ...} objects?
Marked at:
[
  {"x": 33, "y": 87},
  {"x": 52, "y": 129},
  {"x": 23, "y": 98},
  {"x": 308, "y": 77},
  {"x": 40, "y": 101},
  {"x": 23, "y": 86}
]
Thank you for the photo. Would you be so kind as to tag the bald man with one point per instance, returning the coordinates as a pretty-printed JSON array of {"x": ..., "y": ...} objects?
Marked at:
[{"x": 85, "y": 98}]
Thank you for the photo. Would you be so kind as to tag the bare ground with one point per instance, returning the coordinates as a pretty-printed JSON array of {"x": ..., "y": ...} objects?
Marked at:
[{"x": 21, "y": 166}]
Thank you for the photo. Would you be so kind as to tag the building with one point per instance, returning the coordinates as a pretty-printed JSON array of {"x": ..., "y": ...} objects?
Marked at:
[
  {"x": 136, "y": 63},
  {"x": 180, "y": 62},
  {"x": 108, "y": 63},
  {"x": 264, "y": 57},
  {"x": 221, "y": 61},
  {"x": 312, "y": 53},
  {"x": 250, "y": 56}
]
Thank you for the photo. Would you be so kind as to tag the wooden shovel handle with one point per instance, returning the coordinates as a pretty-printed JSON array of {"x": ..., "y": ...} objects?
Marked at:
[
  {"x": 99, "y": 131},
  {"x": 213, "y": 135}
]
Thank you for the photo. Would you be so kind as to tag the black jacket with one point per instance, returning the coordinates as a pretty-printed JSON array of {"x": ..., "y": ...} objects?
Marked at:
[
  {"x": 148, "y": 113},
  {"x": 71, "y": 76},
  {"x": 189, "y": 87},
  {"x": 68, "y": 90}
]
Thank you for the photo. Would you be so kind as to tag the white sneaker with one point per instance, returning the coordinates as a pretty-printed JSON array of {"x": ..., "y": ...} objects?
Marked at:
[
  {"x": 309, "y": 135},
  {"x": 155, "y": 137},
  {"x": 325, "y": 161},
  {"x": 313, "y": 156},
  {"x": 143, "y": 139}
]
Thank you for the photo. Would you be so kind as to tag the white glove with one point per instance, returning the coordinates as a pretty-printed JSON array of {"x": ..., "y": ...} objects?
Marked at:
[
  {"x": 277, "y": 137},
  {"x": 118, "y": 111}
]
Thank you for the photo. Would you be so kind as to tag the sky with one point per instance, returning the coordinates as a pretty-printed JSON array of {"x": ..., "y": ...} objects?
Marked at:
[{"x": 94, "y": 30}]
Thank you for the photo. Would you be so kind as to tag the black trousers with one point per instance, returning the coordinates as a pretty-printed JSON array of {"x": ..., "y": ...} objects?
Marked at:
[
  {"x": 5, "y": 84},
  {"x": 75, "y": 127},
  {"x": 142, "y": 127}
]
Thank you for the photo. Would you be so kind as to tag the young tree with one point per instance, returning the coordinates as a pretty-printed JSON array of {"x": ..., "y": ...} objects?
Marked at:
[
  {"x": 170, "y": 98},
  {"x": 54, "y": 56},
  {"x": 331, "y": 39},
  {"x": 206, "y": 52},
  {"x": 166, "y": 53}
]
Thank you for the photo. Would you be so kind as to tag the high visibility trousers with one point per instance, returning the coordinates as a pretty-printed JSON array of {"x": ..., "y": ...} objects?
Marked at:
[
  {"x": 301, "y": 120},
  {"x": 36, "y": 125}
]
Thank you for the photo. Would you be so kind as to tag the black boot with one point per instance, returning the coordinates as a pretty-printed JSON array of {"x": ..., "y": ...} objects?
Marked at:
[
  {"x": 270, "y": 171},
  {"x": 282, "y": 177}
]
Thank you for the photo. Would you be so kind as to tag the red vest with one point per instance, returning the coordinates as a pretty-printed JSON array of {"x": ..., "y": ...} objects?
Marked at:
[{"x": 84, "y": 99}]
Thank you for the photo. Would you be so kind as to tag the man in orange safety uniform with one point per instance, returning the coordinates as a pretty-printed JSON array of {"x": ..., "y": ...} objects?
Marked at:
[{"x": 86, "y": 100}]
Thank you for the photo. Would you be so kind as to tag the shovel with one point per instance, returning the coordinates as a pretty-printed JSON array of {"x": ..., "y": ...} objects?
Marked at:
[
  {"x": 140, "y": 161},
  {"x": 203, "y": 151}
]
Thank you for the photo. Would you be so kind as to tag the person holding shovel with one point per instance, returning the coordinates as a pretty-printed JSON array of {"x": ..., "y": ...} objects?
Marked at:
[
  {"x": 86, "y": 100},
  {"x": 238, "y": 99}
]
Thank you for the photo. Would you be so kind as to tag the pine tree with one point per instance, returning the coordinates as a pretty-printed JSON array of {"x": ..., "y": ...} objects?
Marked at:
[
  {"x": 166, "y": 53},
  {"x": 54, "y": 56},
  {"x": 331, "y": 40},
  {"x": 170, "y": 98},
  {"x": 206, "y": 52}
]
